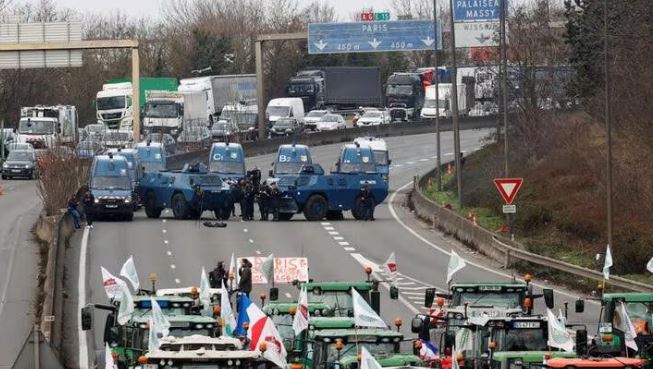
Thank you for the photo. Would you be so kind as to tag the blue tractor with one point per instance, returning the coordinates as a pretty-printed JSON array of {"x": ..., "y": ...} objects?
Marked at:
[
  {"x": 228, "y": 161},
  {"x": 188, "y": 192},
  {"x": 318, "y": 195}
]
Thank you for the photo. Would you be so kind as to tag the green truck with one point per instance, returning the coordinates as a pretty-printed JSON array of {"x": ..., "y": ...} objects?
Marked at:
[
  {"x": 639, "y": 307},
  {"x": 114, "y": 102}
]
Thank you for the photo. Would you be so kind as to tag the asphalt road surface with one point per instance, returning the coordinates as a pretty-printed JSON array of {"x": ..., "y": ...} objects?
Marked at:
[
  {"x": 19, "y": 209},
  {"x": 336, "y": 250}
]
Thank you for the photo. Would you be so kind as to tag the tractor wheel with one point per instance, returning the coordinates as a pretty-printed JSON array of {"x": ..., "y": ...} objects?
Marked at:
[
  {"x": 180, "y": 206},
  {"x": 335, "y": 215},
  {"x": 357, "y": 210},
  {"x": 315, "y": 208},
  {"x": 285, "y": 216},
  {"x": 150, "y": 207}
]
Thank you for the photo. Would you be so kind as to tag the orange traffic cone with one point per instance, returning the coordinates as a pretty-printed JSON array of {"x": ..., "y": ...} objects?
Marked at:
[
  {"x": 503, "y": 229},
  {"x": 449, "y": 169}
]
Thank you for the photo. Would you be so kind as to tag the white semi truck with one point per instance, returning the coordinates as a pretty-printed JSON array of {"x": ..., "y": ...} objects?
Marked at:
[
  {"x": 222, "y": 90},
  {"x": 114, "y": 106},
  {"x": 170, "y": 112},
  {"x": 46, "y": 126},
  {"x": 444, "y": 106}
]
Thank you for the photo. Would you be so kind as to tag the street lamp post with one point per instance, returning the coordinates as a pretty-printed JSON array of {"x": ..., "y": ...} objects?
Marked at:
[
  {"x": 438, "y": 168},
  {"x": 608, "y": 123},
  {"x": 454, "y": 111}
]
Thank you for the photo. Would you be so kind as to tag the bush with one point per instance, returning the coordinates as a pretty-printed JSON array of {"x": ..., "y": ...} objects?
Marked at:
[{"x": 61, "y": 175}]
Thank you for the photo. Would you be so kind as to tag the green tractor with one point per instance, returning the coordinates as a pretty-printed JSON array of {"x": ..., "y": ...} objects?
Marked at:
[{"x": 610, "y": 341}]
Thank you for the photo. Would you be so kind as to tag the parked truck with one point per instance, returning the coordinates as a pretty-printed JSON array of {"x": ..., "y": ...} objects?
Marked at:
[
  {"x": 170, "y": 112},
  {"x": 444, "y": 105},
  {"x": 338, "y": 88},
  {"x": 222, "y": 90},
  {"x": 404, "y": 93},
  {"x": 114, "y": 103},
  {"x": 46, "y": 126}
]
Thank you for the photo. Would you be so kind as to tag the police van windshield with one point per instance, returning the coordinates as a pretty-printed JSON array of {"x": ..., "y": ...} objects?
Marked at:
[
  {"x": 111, "y": 183},
  {"x": 381, "y": 157},
  {"x": 36, "y": 127},
  {"x": 226, "y": 167},
  {"x": 357, "y": 167}
]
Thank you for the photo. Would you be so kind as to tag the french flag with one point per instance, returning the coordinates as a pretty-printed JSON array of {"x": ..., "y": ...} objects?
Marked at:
[
  {"x": 428, "y": 350},
  {"x": 261, "y": 331}
]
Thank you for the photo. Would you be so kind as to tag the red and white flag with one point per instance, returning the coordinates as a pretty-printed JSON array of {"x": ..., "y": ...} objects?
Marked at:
[
  {"x": 263, "y": 331},
  {"x": 390, "y": 266},
  {"x": 300, "y": 322},
  {"x": 111, "y": 284}
]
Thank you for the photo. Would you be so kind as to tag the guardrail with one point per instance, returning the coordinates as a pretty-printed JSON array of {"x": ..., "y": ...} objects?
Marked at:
[
  {"x": 497, "y": 247},
  {"x": 271, "y": 145}
]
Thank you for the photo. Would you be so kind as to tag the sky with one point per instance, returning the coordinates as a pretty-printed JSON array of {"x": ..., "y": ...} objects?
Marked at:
[{"x": 152, "y": 7}]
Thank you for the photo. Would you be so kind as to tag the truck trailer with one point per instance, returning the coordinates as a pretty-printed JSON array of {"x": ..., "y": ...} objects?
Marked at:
[
  {"x": 221, "y": 91},
  {"x": 170, "y": 112}
]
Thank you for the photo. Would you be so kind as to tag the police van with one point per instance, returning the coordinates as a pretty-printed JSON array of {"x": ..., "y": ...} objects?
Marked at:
[
  {"x": 227, "y": 160},
  {"x": 381, "y": 155},
  {"x": 111, "y": 186},
  {"x": 152, "y": 156}
]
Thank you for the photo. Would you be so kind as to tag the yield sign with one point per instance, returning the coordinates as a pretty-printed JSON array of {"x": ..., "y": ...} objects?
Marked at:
[{"x": 508, "y": 188}]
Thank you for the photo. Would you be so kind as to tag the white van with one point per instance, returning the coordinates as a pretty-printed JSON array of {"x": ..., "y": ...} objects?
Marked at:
[
  {"x": 285, "y": 107},
  {"x": 443, "y": 108}
]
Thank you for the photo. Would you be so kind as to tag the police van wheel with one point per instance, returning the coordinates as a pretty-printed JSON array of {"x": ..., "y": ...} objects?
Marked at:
[
  {"x": 357, "y": 210},
  {"x": 179, "y": 206},
  {"x": 150, "y": 207},
  {"x": 315, "y": 208},
  {"x": 285, "y": 216},
  {"x": 335, "y": 215}
]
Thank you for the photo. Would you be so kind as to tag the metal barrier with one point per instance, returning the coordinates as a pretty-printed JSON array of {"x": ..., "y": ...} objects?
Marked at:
[{"x": 497, "y": 247}]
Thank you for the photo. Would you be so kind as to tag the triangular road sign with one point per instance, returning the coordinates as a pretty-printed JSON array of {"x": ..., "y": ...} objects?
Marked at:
[{"x": 508, "y": 188}]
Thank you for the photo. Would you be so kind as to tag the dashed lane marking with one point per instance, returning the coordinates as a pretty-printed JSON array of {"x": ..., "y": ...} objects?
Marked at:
[
  {"x": 258, "y": 252},
  {"x": 410, "y": 162},
  {"x": 173, "y": 266},
  {"x": 338, "y": 238},
  {"x": 325, "y": 223},
  {"x": 333, "y": 233},
  {"x": 343, "y": 243},
  {"x": 350, "y": 249},
  {"x": 251, "y": 240},
  {"x": 164, "y": 230},
  {"x": 177, "y": 280},
  {"x": 81, "y": 301},
  {"x": 169, "y": 253},
  {"x": 245, "y": 230},
  {"x": 329, "y": 228},
  {"x": 425, "y": 159},
  {"x": 165, "y": 241}
]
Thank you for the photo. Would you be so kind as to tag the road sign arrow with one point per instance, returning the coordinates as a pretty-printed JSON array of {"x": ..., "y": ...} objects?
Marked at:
[
  {"x": 320, "y": 44},
  {"x": 482, "y": 38},
  {"x": 374, "y": 43},
  {"x": 508, "y": 188},
  {"x": 428, "y": 41}
]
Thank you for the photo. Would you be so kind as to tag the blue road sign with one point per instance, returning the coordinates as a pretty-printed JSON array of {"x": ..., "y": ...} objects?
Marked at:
[
  {"x": 476, "y": 10},
  {"x": 367, "y": 37}
]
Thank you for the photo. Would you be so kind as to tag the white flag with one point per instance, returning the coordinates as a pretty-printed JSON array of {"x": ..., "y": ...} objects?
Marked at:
[
  {"x": 205, "y": 290},
  {"x": 109, "y": 363},
  {"x": 464, "y": 340},
  {"x": 454, "y": 358},
  {"x": 367, "y": 360},
  {"x": 233, "y": 272},
  {"x": 159, "y": 320},
  {"x": 455, "y": 264},
  {"x": 153, "y": 337},
  {"x": 649, "y": 265},
  {"x": 607, "y": 264},
  {"x": 129, "y": 272},
  {"x": 558, "y": 335},
  {"x": 226, "y": 314},
  {"x": 364, "y": 316},
  {"x": 267, "y": 268},
  {"x": 111, "y": 284},
  {"x": 627, "y": 327},
  {"x": 390, "y": 266},
  {"x": 126, "y": 308},
  {"x": 300, "y": 321}
]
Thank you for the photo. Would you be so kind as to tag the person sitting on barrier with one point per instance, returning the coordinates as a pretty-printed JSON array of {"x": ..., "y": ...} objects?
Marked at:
[{"x": 74, "y": 212}]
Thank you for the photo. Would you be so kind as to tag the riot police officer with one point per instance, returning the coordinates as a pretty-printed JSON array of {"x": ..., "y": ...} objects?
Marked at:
[
  {"x": 264, "y": 201},
  {"x": 368, "y": 202}
]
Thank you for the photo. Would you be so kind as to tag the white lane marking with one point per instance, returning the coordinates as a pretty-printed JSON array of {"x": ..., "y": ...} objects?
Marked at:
[
  {"x": 425, "y": 159},
  {"x": 350, "y": 249},
  {"x": 245, "y": 230},
  {"x": 165, "y": 241},
  {"x": 399, "y": 165},
  {"x": 416, "y": 298},
  {"x": 364, "y": 262},
  {"x": 338, "y": 238},
  {"x": 177, "y": 280},
  {"x": 173, "y": 266},
  {"x": 413, "y": 293},
  {"x": 343, "y": 243},
  {"x": 163, "y": 220},
  {"x": 410, "y": 162},
  {"x": 433, "y": 157},
  {"x": 329, "y": 228},
  {"x": 81, "y": 301},
  {"x": 434, "y": 246},
  {"x": 448, "y": 154},
  {"x": 333, "y": 233},
  {"x": 288, "y": 295},
  {"x": 258, "y": 252},
  {"x": 169, "y": 253},
  {"x": 251, "y": 240},
  {"x": 164, "y": 231},
  {"x": 325, "y": 223}
]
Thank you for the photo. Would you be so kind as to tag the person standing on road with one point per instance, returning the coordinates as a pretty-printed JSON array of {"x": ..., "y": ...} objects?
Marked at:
[
  {"x": 218, "y": 274},
  {"x": 88, "y": 202},
  {"x": 73, "y": 211},
  {"x": 275, "y": 197},
  {"x": 249, "y": 201},
  {"x": 245, "y": 272},
  {"x": 264, "y": 201},
  {"x": 368, "y": 201}
]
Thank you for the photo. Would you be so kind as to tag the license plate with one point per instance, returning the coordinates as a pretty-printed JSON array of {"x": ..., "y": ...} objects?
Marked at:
[
  {"x": 150, "y": 366},
  {"x": 15, "y": 170},
  {"x": 111, "y": 206}
]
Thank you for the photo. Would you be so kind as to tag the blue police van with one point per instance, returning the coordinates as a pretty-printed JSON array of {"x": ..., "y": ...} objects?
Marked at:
[
  {"x": 112, "y": 186},
  {"x": 227, "y": 160},
  {"x": 152, "y": 156}
]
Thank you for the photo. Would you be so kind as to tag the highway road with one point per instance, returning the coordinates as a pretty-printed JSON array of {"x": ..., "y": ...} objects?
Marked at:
[
  {"x": 20, "y": 206},
  {"x": 336, "y": 250}
]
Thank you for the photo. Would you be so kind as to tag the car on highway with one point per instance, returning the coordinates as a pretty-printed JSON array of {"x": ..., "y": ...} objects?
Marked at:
[
  {"x": 331, "y": 122},
  {"x": 223, "y": 131},
  {"x": 373, "y": 118},
  {"x": 20, "y": 164},
  {"x": 311, "y": 119},
  {"x": 195, "y": 137},
  {"x": 285, "y": 127},
  {"x": 169, "y": 143},
  {"x": 88, "y": 149},
  {"x": 19, "y": 146},
  {"x": 118, "y": 139}
]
